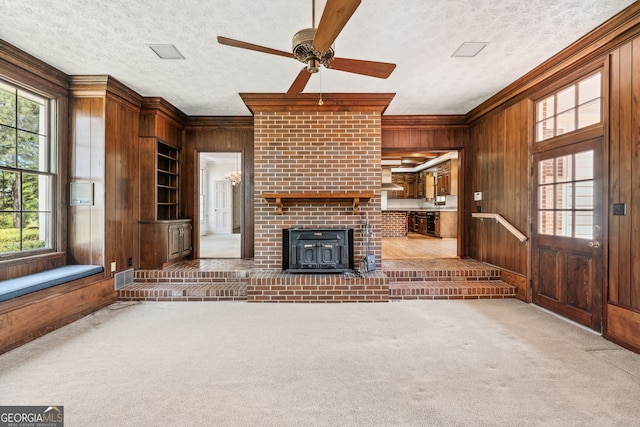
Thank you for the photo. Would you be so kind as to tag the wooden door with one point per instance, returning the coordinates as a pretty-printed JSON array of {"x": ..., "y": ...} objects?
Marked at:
[
  {"x": 223, "y": 209},
  {"x": 567, "y": 232}
]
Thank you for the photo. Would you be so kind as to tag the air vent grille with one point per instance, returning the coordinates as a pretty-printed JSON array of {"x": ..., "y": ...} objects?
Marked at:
[{"x": 123, "y": 278}]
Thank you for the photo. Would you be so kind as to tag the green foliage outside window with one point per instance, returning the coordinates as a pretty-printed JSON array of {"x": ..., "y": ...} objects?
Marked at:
[{"x": 25, "y": 177}]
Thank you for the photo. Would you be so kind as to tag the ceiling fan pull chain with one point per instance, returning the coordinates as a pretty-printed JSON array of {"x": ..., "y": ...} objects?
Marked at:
[{"x": 320, "y": 101}]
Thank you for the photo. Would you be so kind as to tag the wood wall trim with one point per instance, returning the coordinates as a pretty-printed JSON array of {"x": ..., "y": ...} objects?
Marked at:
[
  {"x": 99, "y": 85},
  {"x": 424, "y": 122},
  {"x": 357, "y": 102},
  {"x": 22, "y": 68},
  {"x": 158, "y": 105},
  {"x": 596, "y": 43},
  {"x": 219, "y": 122}
]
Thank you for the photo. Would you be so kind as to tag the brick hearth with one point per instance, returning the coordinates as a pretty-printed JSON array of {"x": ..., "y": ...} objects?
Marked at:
[{"x": 273, "y": 286}]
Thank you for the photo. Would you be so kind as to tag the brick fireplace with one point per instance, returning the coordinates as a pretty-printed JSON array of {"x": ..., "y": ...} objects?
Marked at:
[{"x": 303, "y": 147}]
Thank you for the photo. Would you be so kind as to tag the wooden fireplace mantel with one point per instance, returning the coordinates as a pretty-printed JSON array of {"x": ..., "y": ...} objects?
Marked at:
[{"x": 354, "y": 199}]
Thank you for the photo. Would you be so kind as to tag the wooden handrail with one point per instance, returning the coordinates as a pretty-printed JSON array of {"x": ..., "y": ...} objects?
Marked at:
[{"x": 501, "y": 220}]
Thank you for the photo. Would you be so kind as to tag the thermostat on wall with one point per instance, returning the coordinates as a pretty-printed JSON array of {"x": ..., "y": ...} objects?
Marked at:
[{"x": 477, "y": 196}]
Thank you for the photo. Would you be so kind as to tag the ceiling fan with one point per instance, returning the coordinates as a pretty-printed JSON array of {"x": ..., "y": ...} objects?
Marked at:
[{"x": 312, "y": 46}]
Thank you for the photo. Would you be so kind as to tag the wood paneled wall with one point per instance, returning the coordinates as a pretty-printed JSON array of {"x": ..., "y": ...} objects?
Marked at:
[
  {"x": 497, "y": 164},
  {"x": 222, "y": 134},
  {"x": 623, "y": 315},
  {"x": 417, "y": 133},
  {"x": 104, "y": 151}
]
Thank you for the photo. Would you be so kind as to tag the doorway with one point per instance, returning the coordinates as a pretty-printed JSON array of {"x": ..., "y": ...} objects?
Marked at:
[
  {"x": 220, "y": 204},
  {"x": 420, "y": 205}
]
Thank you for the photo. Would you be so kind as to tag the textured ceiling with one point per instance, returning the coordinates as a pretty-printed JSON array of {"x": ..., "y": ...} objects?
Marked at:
[{"x": 112, "y": 37}]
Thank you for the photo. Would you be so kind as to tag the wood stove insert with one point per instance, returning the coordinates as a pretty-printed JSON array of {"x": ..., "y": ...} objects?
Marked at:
[{"x": 306, "y": 250}]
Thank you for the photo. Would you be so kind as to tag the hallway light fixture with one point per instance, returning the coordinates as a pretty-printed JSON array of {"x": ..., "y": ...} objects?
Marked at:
[{"x": 235, "y": 177}]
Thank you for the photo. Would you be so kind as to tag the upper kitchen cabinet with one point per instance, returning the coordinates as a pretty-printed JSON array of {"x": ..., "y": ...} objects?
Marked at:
[
  {"x": 447, "y": 178},
  {"x": 409, "y": 183}
]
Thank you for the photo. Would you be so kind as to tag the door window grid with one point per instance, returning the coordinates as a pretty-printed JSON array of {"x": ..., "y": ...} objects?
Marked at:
[
  {"x": 574, "y": 107},
  {"x": 565, "y": 196}
]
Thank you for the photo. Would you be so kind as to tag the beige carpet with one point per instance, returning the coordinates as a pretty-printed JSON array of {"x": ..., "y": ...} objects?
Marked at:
[
  {"x": 220, "y": 245},
  {"x": 413, "y": 363}
]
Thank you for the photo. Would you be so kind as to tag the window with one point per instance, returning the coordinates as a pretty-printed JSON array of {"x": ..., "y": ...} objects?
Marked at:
[
  {"x": 565, "y": 195},
  {"x": 574, "y": 107},
  {"x": 27, "y": 174}
]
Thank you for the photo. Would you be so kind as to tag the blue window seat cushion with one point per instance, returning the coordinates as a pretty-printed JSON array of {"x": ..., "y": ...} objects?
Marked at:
[{"x": 23, "y": 285}]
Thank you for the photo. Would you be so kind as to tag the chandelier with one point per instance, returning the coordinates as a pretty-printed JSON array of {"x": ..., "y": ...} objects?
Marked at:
[{"x": 236, "y": 176}]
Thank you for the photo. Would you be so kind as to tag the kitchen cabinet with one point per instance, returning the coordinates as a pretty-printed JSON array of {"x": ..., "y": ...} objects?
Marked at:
[
  {"x": 442, "y": 224},
  {"x": 409, "y": 183},
  {"x": 447, "y": 178},
  {"x": 430, "y": 186},
  {"x": 447, "y": 225}
]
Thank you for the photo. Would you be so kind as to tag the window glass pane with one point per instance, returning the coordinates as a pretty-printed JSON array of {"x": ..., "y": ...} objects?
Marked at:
[
  {"x": 564, "y": 171},
  {"x": 7, "y": 105},
  {"x": 546, "y": 197},
  {"x": 7, "y": 146},
  {"x": 566, "y": 99},
  {"x": 589, "y": 89},
  {"x": 9, "y": 191},
  {"x": 564, "y": 223},
  {"x": 30, "y": 114},
  {"x": 34, "y": 231},
  {"x": 10, "y": 241},
  {"x": 545, "y": 129},
  {"x": 29, "y": 148},
  {"x": 584, "y": 165},
  {"x": 584, "y": 195},
  {"x": 566, "y": 122},
  {"x": 546, "y": 171},
  {"x": 564, "y": 196},
  {"x": 35, "y": 193},
  {"x": 546, "y": 108},
  {"x": 589, "y": 114},
  {"x": 584, "y": 225},
  {"x": 545, "y": 222}
]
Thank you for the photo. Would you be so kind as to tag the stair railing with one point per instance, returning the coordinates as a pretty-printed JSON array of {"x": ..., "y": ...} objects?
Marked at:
[{"x": 501, "y": 220}]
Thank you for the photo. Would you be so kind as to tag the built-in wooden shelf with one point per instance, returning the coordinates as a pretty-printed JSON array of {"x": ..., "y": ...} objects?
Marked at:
[{"x": 281, "y": 199}]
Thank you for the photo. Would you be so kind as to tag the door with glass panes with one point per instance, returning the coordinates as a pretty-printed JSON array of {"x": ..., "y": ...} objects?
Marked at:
[{"x": 567, "y": 231}]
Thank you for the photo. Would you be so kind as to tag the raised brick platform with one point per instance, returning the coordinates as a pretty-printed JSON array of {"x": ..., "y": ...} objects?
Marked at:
[
  {"x": 188, "y": 284},
  {"x": 276, "y": 286}
]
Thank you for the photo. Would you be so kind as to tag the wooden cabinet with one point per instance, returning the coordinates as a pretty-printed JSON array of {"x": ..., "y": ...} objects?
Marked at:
[
  {"x": 164, "y": 242},
  {"x": 165, "y": 236},
  {"x": 167, "y": 185},
  {"x": 447, "y": 224},
  {"x": 447, "y": 178},
  {"x": 430, "y": 186},
  {"x": 409, "y": 183}
]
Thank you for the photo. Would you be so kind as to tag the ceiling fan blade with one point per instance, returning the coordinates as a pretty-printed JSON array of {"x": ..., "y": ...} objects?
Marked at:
[
  {"x": 381, "y": 70},
  {"x": 300, "y": 82},
  {"x": 334, "y": 17},
  {"x": 251, "y": 46}
]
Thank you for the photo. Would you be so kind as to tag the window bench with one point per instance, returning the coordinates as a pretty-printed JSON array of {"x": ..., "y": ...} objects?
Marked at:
[
  {"x": 45, "y": 279},
  {"x": 38, "y": 303}
]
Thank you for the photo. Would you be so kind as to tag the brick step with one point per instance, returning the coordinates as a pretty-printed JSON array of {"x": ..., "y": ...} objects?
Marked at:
[
  {"x": 466, "y": 289},
  {"x": 440, "y": 274},
  {"x": 171, "y": 291}
]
